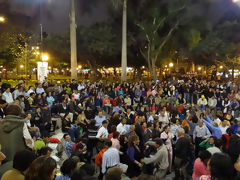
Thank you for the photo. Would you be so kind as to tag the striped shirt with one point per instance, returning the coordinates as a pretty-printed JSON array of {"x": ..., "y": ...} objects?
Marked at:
[
  {"x": 201, "y": 132},
  {"x": 110, "y": 159}
]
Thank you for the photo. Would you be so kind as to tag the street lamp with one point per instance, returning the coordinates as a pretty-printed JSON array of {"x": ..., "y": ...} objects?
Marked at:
[
  {"x": 45, "y": 57},
  {"x": 21, "y": 66},
  {"x": 199, "y": 68},
  {"x": 221, "y": 67},
  {"x": 170, "y": 65},
  {"x": 2, "y": 19}
]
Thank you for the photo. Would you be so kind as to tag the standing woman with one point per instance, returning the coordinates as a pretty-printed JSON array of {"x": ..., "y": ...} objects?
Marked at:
[
  {"x": 135, "y": 156},
  {"x": 42, "y": 168},
  {"x": 167, "y": 136}
]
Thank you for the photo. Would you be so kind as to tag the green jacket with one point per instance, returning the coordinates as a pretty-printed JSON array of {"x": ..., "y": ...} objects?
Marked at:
[{"x": 205, "y": 145}]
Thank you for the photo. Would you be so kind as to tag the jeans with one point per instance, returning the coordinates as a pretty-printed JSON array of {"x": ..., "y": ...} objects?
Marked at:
[
  {"x": 73, "y": 133},
  {"x": 187, "y": 97}
]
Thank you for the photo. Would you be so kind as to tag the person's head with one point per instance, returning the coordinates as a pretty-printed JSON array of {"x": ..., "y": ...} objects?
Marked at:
[
  {"x": 28, "y": 115},
  {"x": 212, "y": 139},
  {"x": 38, "y": 110},
  {"x": 68, "y": 166},
  {"x": 22, "y": 160},
  {"x": 180, "y": 132},
  {"x": 158, "y": 142},
  {"x": 124, "y": 121},
  {"x": 40, "y": 85},
  {"x": 45, "y": 137},
  {"x": 133, "y": 141},
  {"x": 66, "y": 137},
  {"x": 166, "y": 129},
  {"x": 32, "y": 95},
  {"x": 43, "y": 168},
  {"x": 114, "y": 173},
  {"x": 116, "y": 135},
  {"x": 107, "y": 143},
  {"x": 89, "y": 169},
  {"x": 204, "y": 156},
  {"x": 3, "y": 103},
  {"x": 221, "y": 167},
  {"x": 200, "y": 123},
  {"x": 8, "y": 89},
  {"x": 113, "y": 129},
  {"x": 150, "y": 125},
  {"x": 100, "y": 113},
  {"x": 224, "y": 123},
  {"x": 105, "y": 123},
  {"x": 186, "y": 128},
  {"x": 13, "y": 109},
  {"x": 45, "y": 151},
  {"x": 132, "y": 128}
]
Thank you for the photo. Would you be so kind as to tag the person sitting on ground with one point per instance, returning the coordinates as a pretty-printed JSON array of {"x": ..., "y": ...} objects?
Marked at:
[
  {"x": 21, "y": 162},
  {"x": 41, "y": 142},
  {"x": 67, "y": 127},
  {"x": 68, "y": 144}
]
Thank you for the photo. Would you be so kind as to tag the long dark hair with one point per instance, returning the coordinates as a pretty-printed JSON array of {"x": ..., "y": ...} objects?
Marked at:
[{"x": 41, "y": 168}]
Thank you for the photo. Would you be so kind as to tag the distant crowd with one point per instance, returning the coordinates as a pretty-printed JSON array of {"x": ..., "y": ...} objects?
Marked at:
[{"x": 186, "y": 128}]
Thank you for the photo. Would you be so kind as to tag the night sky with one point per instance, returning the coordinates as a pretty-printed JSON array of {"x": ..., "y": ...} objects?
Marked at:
[{"x": 55, "y": 13}]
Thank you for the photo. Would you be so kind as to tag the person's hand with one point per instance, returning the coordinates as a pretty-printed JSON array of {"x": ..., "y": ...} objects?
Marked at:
[{"x": 140, "y": 165}]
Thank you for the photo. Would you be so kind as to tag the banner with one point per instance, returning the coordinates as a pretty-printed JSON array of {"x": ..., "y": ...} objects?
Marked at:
[{"x": 42, "y": 71}]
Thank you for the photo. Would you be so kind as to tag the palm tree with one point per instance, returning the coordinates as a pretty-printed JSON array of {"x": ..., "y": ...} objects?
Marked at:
[
  {"x": 117, "y": 4},
  {"x": 73, "y": 40}
]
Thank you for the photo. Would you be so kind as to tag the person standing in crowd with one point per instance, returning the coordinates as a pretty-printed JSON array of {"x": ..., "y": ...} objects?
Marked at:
[
  {"x": 167, "y": 137},
  {"x": 110, "y": 158},
  {"x": 182, "y": 152},
  {"x": 135, "y": 156},
  {"x": 160, "y": 159},
  {"x": 200, "y": 133}
]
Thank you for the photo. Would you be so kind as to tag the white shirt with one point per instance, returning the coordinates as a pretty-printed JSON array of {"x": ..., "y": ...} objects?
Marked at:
[
  {"x": 224, "y": 129},
  {"x": 29, "y": 92},
  {"x": 39, "y": 90},
  {"x": 28, "y": 139},
  {"x": 7, "y": 96},
  {"x": 102, "y": 133},
  {"x": 213, "y": 150},
  {"x": 110, "y": 159},
  {"x": 121, "y": 129}
]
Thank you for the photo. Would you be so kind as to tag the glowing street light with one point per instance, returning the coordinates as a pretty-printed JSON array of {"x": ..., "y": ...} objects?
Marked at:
[
  {"x": 221, "y": 67},
  {"x": 45, "y": 57},
  {"x": 170, "y": 65},
  {"x": 80, "y": 66},
  {"x": 199, "y": 68},
  {"x": 2, "y": 19},
  {"x": 21, "y": 66}
]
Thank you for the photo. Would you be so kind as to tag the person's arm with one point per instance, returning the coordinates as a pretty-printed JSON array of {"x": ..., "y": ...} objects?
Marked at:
[
  {"x": 209, "y": 126},
  {"x": 152, "y": 159},
  {"x": 209, "y": 119},
  {"x": 104, "y": 163},
  {"x": 203, "y": 144},
  {"x": 194, "y": 133}
]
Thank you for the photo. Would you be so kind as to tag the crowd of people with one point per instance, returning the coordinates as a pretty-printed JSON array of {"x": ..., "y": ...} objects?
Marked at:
[{"x": 186, "y": 128}]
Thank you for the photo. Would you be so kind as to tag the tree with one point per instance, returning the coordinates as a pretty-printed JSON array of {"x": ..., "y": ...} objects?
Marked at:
[
  {"x": 157, "y": 26},
  {"x": 123, "y": 4}
]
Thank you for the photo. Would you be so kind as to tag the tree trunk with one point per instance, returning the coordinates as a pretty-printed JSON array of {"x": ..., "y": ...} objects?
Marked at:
[
  {"x": 124, "y": 42},
  {"x": 73, "y": 40},
  {"x": 233, "y": 72},
  {"x": 154, "y": 74}
]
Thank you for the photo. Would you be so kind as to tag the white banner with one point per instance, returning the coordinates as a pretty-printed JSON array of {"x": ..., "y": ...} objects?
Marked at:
[{"x": 42, "y": 71}]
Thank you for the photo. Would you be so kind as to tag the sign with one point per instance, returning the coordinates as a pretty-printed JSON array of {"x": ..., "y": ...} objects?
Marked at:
[{"x": 42, "y": 71}]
